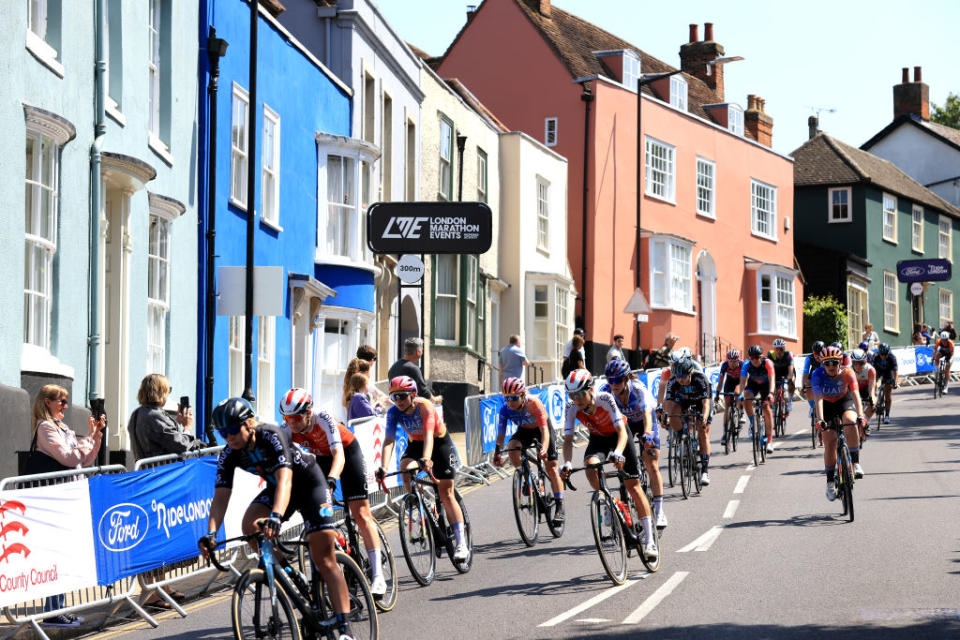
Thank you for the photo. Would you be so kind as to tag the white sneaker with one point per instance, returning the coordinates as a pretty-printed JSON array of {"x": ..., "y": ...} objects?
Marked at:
[
  {"x": 769, "y": 448},
  {"x": 857, "y": 470},
  {"x": 831, "y": 491},
  {"x": 650, "y": 551},
  {"x": 886, "y": 419},
  {"x": 705, "y": 478},
  {"x": 661, "y": 520},
  {"x": 379, "y": 586},
  {"x": 461, "y": 553}
]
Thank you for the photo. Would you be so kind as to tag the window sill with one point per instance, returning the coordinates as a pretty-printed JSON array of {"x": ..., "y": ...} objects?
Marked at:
[
  {"x": 841, "y": 221},
  {"x": 113, "y": 110},
  {"x": 672, "y": 201},
  {"x": 44, "y": 53},
  {"x": 773, "y": 239},
  {"x": 323, "y": 258},
  {"x": 39, "y": 360},
  {"x": 544, "y": 251},
  {"x": 450, "y": 346},
  {"x": 270, "y": 224},
  {"x": 686, "y": 312},
  {"x": 158, "y": 147},
  {"x": 891, "y": 330},
  {"x": 236, "y": 204},
  {"x": 708, "y": 216},
  {"x": 890, "y": 241},
  {"x": 785, "y": 336},
  {"x": 919, "y": 252}
]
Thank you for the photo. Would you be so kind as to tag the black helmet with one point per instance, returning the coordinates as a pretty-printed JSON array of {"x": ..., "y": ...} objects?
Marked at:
[
  {"x": 231, "y": 413},
  {"x": 837, "y": 345},
  {"x": 754, "y": 351},
  {"x": 817, "y": 346},
  {"x": 682, "y": 368},
  {"x": 883, "y": 348}
]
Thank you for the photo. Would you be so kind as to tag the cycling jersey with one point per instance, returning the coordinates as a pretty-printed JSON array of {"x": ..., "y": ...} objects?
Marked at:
[
  {"x": 885, "y": 365},
  {"x": 833, "y": 389},
  {"x": 272, "y": 450},
  {"x": 781, "y": 365},
  {"x": 944, "y": 346},
  {"x": 730, "y": 369},
  {"x": 810, "y": 365},
  {"x": 697, "y": 389},
  {"x": 326, "y": 435},
  {"x": 422, "y": 420},
  {"x": 639, "y": 399},
  {"x": 866, "y": 376},
  {"x": 667, "y": 373},
  {"x": 532, "y": 415},
  {"x": 758, "y": 377},
  {"x": 602, "y": 422}
]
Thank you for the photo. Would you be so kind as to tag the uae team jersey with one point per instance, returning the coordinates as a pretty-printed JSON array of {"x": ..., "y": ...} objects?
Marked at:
[
  {"x": 421, "y": 421},
  {"x": 325, "y": 436},
  {"x": 272, "y": 450},
  {"x": 833, "y": 389},
  {"x": 531, "y": 416},
  {"x": 602, "y": 422},
  {"x": 639, "y": 400}
]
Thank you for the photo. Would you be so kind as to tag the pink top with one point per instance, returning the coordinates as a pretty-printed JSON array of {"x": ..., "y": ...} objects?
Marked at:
[{"x": 60, "y": 442}]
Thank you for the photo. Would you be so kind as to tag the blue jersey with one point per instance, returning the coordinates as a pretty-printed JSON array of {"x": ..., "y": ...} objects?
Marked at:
[
  {"x": 639, "y": 400},
  {"x": 885, "y": 365},
  {"x": 531, "y": 416},
  {"x": 757, "y": 376},
  {"x": 835, "y": 388},
  {"x": 810, "y": 365}
]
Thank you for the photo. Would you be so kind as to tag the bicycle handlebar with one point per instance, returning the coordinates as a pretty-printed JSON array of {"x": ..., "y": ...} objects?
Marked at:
[{"x": 411, "y": 470}]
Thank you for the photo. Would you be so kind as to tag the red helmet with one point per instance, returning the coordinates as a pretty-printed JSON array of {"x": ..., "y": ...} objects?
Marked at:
[
  {"x": 513, "y": 387},
  {"x": 403, "y": 384},
  {"x": 733, "y": 354},
  {"x": 831, "y": 353},
  {"x": 295, "y": 401}
]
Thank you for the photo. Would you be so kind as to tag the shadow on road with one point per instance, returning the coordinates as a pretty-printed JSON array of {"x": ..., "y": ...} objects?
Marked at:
[
  {"x": 585, "y": 584},
  {"x": 806, "y": 520}
]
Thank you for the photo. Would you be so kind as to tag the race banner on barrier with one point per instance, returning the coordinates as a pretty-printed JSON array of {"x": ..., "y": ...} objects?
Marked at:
[
  {"x": 145, "y": 519},
  {"x": 47, "y": 542}
]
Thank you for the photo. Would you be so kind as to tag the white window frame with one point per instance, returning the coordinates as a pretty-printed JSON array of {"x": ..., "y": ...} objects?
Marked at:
[
  {"x": 482, "y": 178},
  {"x": 543, "y": 214},
  {"x": 735, "y": 119},
  {"x": 450, "y": 298},
  {"x": 660, "y": 170},
  {"x": 706, "y": 187},
  {"x": 888, "y": 223},
  {"x": 270, "y": 173},
  {"x": 239, "y": 146},
  {"x": 856, "y": 324},
  {"x": 40, "y": 247},
  {"x": 154, "y": 25},
  {"x": 562, "y": 306},
  {"x": 266, "y": 368},
  {"x": 778, "y": 315},
  {"x": 891, "y": 303},
  {"x": 540, "y": 345},
  {"x": 678, "y": 92},
  {"x": 666, "y": 279},
  {"x": 342, "y": 239},
  {"x": 756, "y": 199},
  {"x": 945, "y": 238},
  {"x": 38, "y": 19},
  {"x": 945, "y": 305},
  {"x": 846, "y": 193},
  {"x": 235, "y": 345},
  {"x": 550, "y": 132},
  {"x": 471, "y": 300},
  {"x": 916, "y": 228},
  {"x": 445, "y": 155},
  {"x": 631, "y": 70},
  {"x": 331, "y": 355},
  {"x": 159, "y": 245}
]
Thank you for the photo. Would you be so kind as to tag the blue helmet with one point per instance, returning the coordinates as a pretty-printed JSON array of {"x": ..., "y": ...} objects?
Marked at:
[{"x": 616, "y": 368}]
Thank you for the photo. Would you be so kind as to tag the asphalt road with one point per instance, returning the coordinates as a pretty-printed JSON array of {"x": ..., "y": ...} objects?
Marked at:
[{"x": 760, "y": 554}]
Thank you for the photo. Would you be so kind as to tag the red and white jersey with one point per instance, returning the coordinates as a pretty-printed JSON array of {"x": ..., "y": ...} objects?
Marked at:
[
  {"x": 602, "y": 422},
  {"x": 867, "y": 376},
  {"x": 326, "y": 434}
]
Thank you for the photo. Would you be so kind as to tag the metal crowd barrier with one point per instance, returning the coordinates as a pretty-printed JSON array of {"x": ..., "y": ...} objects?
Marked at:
[{"x": 118, "y": 593}]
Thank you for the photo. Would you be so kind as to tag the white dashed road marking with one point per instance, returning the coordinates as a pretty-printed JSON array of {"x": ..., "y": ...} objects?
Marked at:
[
  {"x": 731, "y": 509},
  {"x": 704, "y": 542},
  {"x": 580, "y": 608},
  {"x": 741, "y": 484},
  {"x": 656, "y": 597}
]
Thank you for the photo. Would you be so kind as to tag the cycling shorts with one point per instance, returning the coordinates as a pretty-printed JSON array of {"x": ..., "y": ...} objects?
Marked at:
[
  {"x": 758, "y": 390},
  {"x": 312, "y": 499},
  {"x": 886, "y": 377},
  {"x": 865, "y": 398},
  {"x": 730, "y": 385},
  {"x": 836, "y": 409},
  {"x": 525, "y": 438},
  {"x": 601, "y": 446},
  {"x": 686, "y": 405},
  {"x": 636, "y": 428},
  {"x": 444, "y": 456},
  {"x": 353, "y": 478}
]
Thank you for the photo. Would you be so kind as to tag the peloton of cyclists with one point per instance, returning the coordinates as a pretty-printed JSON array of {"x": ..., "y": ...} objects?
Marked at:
[{"x": 833, "y": 387}]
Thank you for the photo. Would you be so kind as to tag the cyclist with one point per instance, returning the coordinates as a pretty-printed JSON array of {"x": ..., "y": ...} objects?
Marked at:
[
  {"x": 783, "y": 369},
  {"x": 430, "y": 446},
  {"x": 341, "y": 460},
  {"x": 809, "y": 366},
  {"x": 609, "y": 438},
  {"x": 866, "y": 380},
  {"x": 689, "y": 388},
  {"x": 943, "y": 348},
  {"x": 667, "y": 373},
  {"x": 865, "y": 347},
  {"x": 636, "y": 403},
  {"x": 530, "y": 416},
  {"x": 886, "y": 365},
  {"x": 757, "y": 378},
  {"x": 294, "y": 483},
  {"x": 846, "y": 361},
  {"x": 833, "y": 387},
  {"x": 729, "y": 382}
]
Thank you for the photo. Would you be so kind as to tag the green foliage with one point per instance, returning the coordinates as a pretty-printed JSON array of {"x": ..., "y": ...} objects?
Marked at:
[
  {"x": 823, "y": 319},
  {"x": 949, "y": 113}
]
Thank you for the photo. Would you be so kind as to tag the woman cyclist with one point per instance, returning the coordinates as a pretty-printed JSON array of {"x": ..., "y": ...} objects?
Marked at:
[
  {"x": 833, "y": 392},
  {"x": 756, "y": 378},
  {"x": 727, "y": 384}
]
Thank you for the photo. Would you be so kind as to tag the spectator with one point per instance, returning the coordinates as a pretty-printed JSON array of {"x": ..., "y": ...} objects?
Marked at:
[
  {"x": 352, "y": 368},
  {"x": 661, "y": 357},
  {"x": 53, "y": 438},
  {"x": 407, "y": 366},
  {"x": 927, "y": 334},
  {"x": 948, "y": 327},
  {"x": 575, "y": 359},
  {"x": 567, "y": 347},
  {"x": 615, "y": 352},
  {"x": 368, "y": 353},
  {"x": 870, "y": 336},
  {"x": 154, "y": 433},
  {"x": 916, "y": 339},
  {"x": 512, "y": 360},
  {"x": 362, "y": 404}
]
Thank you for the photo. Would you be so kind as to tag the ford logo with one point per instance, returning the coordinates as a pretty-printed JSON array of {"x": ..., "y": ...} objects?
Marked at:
[
  {"x": 912, "y": 271},
  {"x": 123, "y": 526}
]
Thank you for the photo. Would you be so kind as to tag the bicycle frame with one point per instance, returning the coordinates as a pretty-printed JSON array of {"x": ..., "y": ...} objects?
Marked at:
[{"x": 526, "y": 459}]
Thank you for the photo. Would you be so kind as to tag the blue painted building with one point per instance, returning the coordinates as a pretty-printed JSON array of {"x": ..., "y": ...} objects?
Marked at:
[{"x": 299, "y": 102}]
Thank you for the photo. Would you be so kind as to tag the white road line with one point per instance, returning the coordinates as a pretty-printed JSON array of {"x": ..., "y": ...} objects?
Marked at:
[
  {"x": 741, "y": 484},
  {"x": 703, "y": 542},
  {"x": 750, "y": 467},
  {"x": 804, "y": 430},
  {"x": 731, "y": 509},
  {"x": 580, "y": 608},
  {"x": 656, "y": 597},
  {"x": 592, "y": 620}
]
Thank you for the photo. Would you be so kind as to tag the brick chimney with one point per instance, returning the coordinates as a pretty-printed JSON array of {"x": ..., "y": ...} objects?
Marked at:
[
  {"x": 695, "y": 54},
  {"x": 756, "y": 123},
  {"x": 540, "y": 6},
  {"x": 911, "y": 97},
  {"x": 813, "y": 127}
]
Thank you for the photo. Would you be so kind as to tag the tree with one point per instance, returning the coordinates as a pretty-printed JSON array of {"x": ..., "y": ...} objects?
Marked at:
[
  {"x": 949, "y": 113},
  {"x": 823, "y": 319}
]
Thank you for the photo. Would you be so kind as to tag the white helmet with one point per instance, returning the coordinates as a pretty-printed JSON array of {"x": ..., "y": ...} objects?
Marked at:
[
  {"x": 944, "y": 335},
  {"x": 685, "y": 352},
  {"x": 295, "y": 401},
  {"x": 858, "y": 355},
  {"x": 578, "y": 380}
]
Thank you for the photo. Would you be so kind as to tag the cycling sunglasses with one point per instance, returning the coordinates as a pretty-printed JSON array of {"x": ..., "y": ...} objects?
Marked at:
[
  {"x": 231, "y": 430},
  {"x": 617, "y": 379},
  {"x": 831, "y": 363},
  {"x": 512, "y": 398},
  {"x": 577, "y": 395},
  {"x": 397, "y": 396}
]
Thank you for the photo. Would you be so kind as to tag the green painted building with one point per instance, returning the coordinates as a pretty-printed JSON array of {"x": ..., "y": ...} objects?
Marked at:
[{"x": 856, "y": 216}]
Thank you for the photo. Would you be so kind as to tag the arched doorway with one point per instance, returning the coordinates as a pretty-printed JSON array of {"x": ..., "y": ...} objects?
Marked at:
[
  {"x": 707, "y": 307},
  {"x": 409, "y": 320}
]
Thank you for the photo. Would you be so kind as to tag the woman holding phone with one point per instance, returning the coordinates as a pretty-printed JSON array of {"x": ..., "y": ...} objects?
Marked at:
[{"x": 153, "y": 432}]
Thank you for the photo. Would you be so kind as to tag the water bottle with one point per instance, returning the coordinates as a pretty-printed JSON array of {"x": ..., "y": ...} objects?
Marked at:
[
  {"x": 540, "y": 485},
  {"x": 625, "y": 511}
]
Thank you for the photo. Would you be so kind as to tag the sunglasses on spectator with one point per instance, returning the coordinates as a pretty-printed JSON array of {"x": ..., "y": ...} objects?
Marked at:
[
  {"x": 577, "y": 395},
  {"x": 399, "y": 395},
  {"x": 231, "y": 430},
  {"x": 63, "y": 402},
  {"x": 512, "y": 398}
]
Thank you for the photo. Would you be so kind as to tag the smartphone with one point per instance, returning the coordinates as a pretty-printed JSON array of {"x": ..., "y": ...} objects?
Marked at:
[
  {"x": 96, "y": 408},
  {"x": 184, "y": 403}
]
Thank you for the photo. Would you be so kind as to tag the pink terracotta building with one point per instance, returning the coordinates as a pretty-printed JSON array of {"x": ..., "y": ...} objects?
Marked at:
[{"x": 716, "y": 260}]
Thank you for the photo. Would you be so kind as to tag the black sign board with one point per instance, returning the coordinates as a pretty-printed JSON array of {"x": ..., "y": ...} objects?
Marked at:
[
  {"x": 429, "y": 227},
  {"x": 930, "y": 270}
]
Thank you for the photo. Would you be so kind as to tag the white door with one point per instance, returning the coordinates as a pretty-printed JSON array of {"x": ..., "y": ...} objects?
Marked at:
[{"x": 707, "y": 275}]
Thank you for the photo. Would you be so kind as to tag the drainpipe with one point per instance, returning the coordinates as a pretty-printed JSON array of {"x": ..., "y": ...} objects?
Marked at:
[
  {"x": 587, "y": 98},
  {"x": 461, "y": 145},
  {"x": 100, "y": 131},
  {"x": 251, "y": 201}
]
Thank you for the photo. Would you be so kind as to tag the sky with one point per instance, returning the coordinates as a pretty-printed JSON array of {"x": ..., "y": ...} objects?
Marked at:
[{"x": 844, "y": 55}]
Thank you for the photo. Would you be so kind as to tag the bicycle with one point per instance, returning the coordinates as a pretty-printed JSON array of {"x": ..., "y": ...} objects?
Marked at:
[
  {"x": 265, "y": 599},
  {"x": 843, "y": 478},
  {"x": 881, "y": 405},
  {"x": 815, "y": 437},
  {"x": 941, "y": 377},
  {"x": 731, "y": 424},
  {"x": 350, "y": 541},
  {"x": 780, "y": 409},
  {"x": 615, "y": 522},
  {"x": 759, "y": 431},
  {"x": 424, "y": 530},
  {"x": 531, "y": 500},
  {"x": 684, "y": 459}
]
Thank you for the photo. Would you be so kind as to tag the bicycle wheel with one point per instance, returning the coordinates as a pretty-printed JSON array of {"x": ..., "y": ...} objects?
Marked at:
[
  {"x": 686, "y": 467},
  {"x": 671, "y": 460},
  {"x": 761, "y": 434},
  {"x": 728, "y": 429},
  {"x": 735, "y": 426},
  {"x": 388, "y": 569},
  {"x": 693, "y": 455},
  {"x": 813, "y": 434},
  {"x": 756, "y": 440},
  {"x": 605, "y": 523},
  {"x": 416, "y": 540},
  {"x": 463, "y": 566},
  {"x": 845, "y": 468},
  {"x": 363, "y": 611},
  {"x": 253, "y": 614},
  {"x": 525, "y": 506},
  {"x": 638, "y": 532},
  {"x": 549, "y": 510},
  {"x": 881, "y": 407}
]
